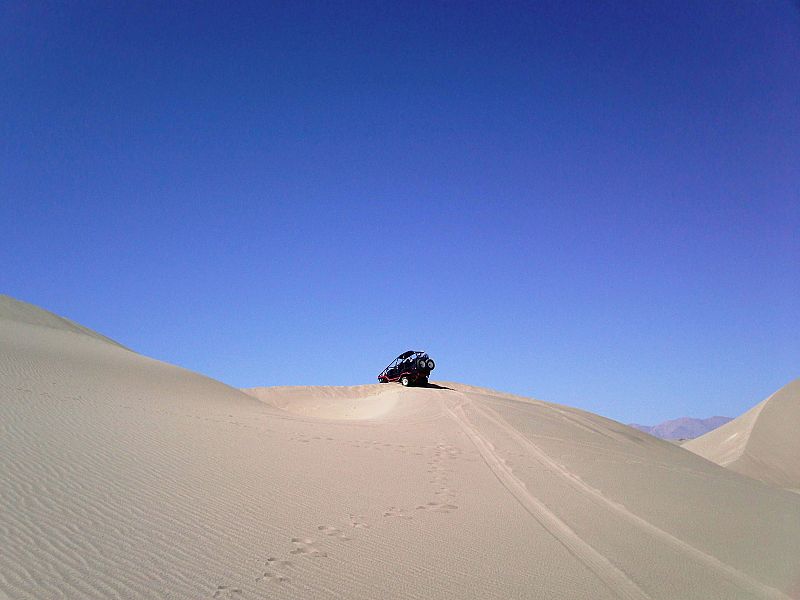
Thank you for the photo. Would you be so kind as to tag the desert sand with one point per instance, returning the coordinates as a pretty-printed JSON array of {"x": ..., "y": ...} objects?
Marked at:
[
  {"x": 125, "y": 477},
  {"x": 763, "y": 443}
]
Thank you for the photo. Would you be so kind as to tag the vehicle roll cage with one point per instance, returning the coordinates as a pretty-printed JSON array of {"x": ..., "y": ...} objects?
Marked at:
[{"x": 405, "y": 355}]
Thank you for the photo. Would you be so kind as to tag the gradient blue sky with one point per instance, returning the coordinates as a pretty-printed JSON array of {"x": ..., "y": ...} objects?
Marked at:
[{"x": 596, "y": 204}]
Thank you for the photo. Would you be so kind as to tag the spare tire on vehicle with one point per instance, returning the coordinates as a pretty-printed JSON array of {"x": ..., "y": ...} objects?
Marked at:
[
  {"x": 431, "y": 364},
  {"x": 421, "y": 363}
]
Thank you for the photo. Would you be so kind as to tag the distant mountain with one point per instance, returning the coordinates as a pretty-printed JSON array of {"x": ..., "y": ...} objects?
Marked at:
[{"x": 684, "y": 428}]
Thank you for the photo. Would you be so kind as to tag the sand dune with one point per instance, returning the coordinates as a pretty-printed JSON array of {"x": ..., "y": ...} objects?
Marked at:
[
  {"x": 763, "y": 443},
  {"x": 124, "y": 477}
]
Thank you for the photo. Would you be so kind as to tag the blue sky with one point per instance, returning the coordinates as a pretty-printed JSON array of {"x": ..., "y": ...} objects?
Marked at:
[{"x": 596, "y": 204}]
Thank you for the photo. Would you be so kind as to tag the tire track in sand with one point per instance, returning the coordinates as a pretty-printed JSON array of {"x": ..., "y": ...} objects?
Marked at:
[
  {"x": 735, "y": 576},
  {"x": 617, "y": 581}
]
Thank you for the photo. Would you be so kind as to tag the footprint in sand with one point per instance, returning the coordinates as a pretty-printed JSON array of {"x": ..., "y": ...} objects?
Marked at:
[
  {"x": 332, "y": 532},
  {"x": 357, "y": 522},
  {"x": 437, "y": 507},
  {"x": 274, "y": 572},
  {"x": 396, "y": 512},
  {"x": 272, "y": 577},
  {"x": 278, "y": 564},
  {"x": 226, "y": 591},
  {"x": 306, "y": 547}
]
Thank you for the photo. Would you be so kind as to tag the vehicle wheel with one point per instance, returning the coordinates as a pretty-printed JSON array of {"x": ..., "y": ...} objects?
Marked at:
[
  {"x": 421, "y": 363},
  {"x": 405, "y": 381},
  {"x": 431, "y": 364}
]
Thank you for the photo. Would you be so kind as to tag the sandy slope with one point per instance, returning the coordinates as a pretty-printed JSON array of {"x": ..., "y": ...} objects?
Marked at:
[
  {"x": 22, "y": 312},
  {"x": 124, "y": 477},
  {"x": 763, "y": 443}
]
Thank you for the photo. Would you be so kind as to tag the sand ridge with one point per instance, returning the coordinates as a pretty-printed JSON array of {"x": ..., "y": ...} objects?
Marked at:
[
  {"x": 373, "y": 402},
  {"x": 22, "y": 312},
  {"x": 763, "y": 443}
]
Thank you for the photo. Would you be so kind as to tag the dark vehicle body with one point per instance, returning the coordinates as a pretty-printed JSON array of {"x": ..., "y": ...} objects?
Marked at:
[{"x": 410, "y": 368}]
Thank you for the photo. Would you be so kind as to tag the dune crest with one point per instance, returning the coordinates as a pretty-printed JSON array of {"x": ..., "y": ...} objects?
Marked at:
[
  {"x": 335, "y": 402},
  {"x": 381, "y": 402},
  {"x": 763, "y": 443},
  {"x": 22, "y": 312}
]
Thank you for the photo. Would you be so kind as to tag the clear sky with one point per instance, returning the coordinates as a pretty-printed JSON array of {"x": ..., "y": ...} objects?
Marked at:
[{"x": 592, "y": 203}]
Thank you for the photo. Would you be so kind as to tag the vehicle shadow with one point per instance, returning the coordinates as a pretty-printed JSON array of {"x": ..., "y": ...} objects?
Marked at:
[{"x": 435, "y": 386}]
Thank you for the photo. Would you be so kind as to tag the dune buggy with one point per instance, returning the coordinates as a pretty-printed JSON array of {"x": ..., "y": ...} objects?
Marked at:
[{"x": 412, "y": 367}]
